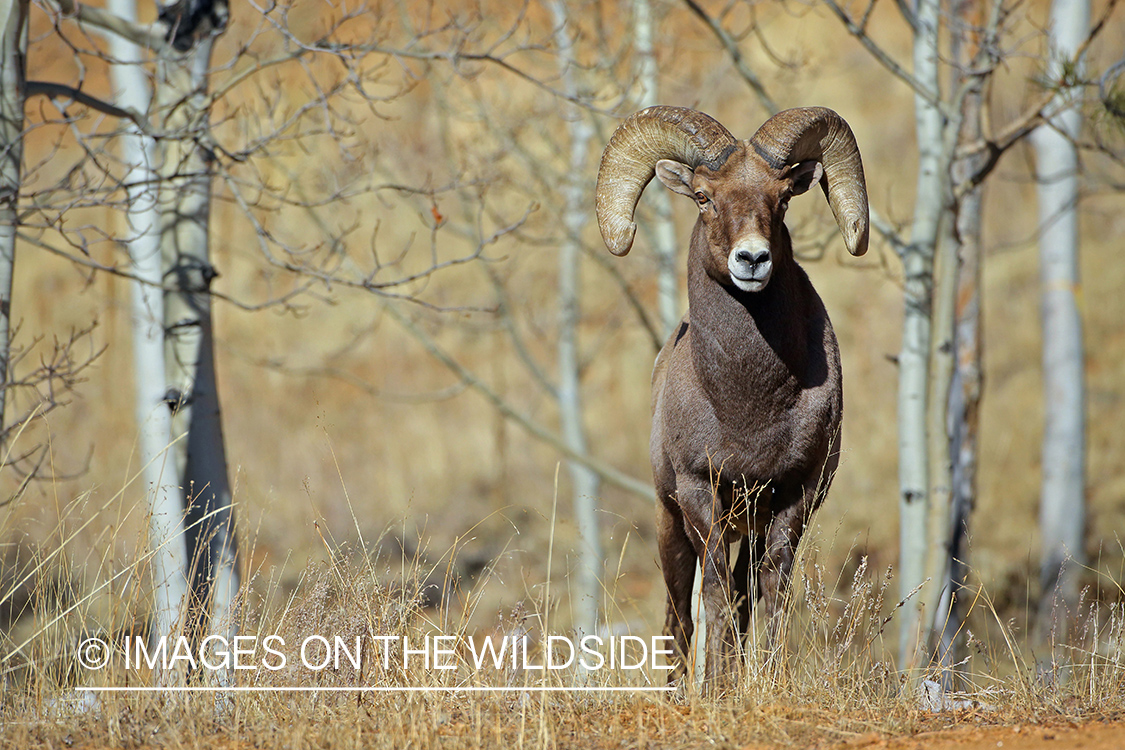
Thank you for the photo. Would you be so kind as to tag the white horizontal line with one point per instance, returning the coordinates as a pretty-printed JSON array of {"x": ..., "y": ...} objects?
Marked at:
[{"x": 372, "y": 689}]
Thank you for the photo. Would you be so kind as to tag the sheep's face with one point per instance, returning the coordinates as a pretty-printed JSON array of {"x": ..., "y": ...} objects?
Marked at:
[{"x": 741, "y": 211}]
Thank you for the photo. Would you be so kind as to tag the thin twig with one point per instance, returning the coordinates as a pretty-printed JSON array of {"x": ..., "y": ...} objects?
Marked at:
[
  {"x": 731, "y": 46},
  {"x": 885, "y": 59}
]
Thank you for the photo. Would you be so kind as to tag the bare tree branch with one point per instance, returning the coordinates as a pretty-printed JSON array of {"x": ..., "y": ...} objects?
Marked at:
[
  {"x": 1032, "y": 117},
  {"x": 46, "y": 386},
  {"x": 62, "y": 91},
  {"x": 885, "y": 59},
  {"x": 1105, "y": 84},
  {"x": 732, "y": 48},
  {"x": 608, "y": 473}
]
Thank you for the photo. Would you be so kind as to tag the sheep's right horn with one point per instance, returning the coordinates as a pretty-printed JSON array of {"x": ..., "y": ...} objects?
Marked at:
[{"x": 629, "y": 162}]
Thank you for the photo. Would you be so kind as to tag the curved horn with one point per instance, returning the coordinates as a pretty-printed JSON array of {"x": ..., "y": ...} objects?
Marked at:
[
  {"x": 818, "y": 133},
  {"x": 629, "y": 162}
]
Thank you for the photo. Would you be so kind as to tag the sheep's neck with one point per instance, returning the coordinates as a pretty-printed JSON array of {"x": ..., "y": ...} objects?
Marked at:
[{"x": 750, "y": 348}]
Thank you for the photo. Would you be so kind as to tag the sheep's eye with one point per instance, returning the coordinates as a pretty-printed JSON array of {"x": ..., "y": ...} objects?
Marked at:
[{"x": 700, "y": 198}]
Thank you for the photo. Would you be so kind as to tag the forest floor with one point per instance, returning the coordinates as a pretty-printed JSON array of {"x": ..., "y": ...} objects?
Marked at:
[
  {"x": 1094, "y": 735},
  {"x": 835, "y": 687},
  {"x": 559, "y": 722}
]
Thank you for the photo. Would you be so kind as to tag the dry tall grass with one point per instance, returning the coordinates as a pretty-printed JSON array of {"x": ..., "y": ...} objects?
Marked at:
[{"x": 835, "y": 679}]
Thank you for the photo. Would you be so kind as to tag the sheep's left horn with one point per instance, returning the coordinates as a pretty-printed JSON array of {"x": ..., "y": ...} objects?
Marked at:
[
  {"x": 818, "y": 133},
  {"x": 629, "y": 162}
]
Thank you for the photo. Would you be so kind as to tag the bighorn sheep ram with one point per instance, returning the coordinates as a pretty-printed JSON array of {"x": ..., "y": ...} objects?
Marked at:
[{"x": 746, "y": 394}]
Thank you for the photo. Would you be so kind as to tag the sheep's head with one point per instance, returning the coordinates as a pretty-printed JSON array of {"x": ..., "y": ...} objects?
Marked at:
[
  {"x": 742, "y": 188},
  {"x": 741, "y": 211}
]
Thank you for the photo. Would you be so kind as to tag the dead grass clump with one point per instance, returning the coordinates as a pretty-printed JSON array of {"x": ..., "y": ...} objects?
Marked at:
[{"x": 835, "y": 679}]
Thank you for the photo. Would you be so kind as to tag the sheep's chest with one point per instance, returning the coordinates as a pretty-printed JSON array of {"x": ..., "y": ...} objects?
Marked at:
[
  {"x": 773, "y": 441},
  {"x": 758, "y": 438}
]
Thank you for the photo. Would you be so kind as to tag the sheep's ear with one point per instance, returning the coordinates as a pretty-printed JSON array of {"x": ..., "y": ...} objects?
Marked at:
[
  {"x": 676, "y": 176},
  {"x": 804, "y": 175}
]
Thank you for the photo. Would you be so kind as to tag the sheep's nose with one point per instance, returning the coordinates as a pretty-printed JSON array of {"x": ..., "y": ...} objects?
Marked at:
[{"x": 752, "y": 257}]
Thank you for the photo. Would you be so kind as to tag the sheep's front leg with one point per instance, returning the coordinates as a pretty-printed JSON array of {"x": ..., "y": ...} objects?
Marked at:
[
  {"x": 677, "y": 563},
  {"x": 777, "y": 568},
  {"x": 794, "y": 506},
  {"x": 750, "y": 553},
  {"x": 702, "y": 511}
]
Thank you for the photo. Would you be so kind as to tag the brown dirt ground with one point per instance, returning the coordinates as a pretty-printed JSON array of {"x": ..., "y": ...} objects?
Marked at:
[
  {"x": 1089, "y": 736},
  {"x": 956, "y": 734}
]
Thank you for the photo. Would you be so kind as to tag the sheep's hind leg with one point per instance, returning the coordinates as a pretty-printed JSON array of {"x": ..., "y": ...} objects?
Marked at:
[{"x": 677, "y": 563}]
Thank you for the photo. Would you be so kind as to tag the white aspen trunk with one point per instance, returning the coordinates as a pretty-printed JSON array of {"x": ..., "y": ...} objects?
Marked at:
[
  {"x": 184, "y": 206},
  {"x": 1062, "y": 509},
  {"x": 940, "y": 467},
  {"x": 913, "y": 361},
  {"x": 13, "y": 52},
  {"x": 661, "y": 230},
  {"x": 154, "y": 418},
  {"x": 585, "y": 485},
  {"x": 962, "y": 404}
]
